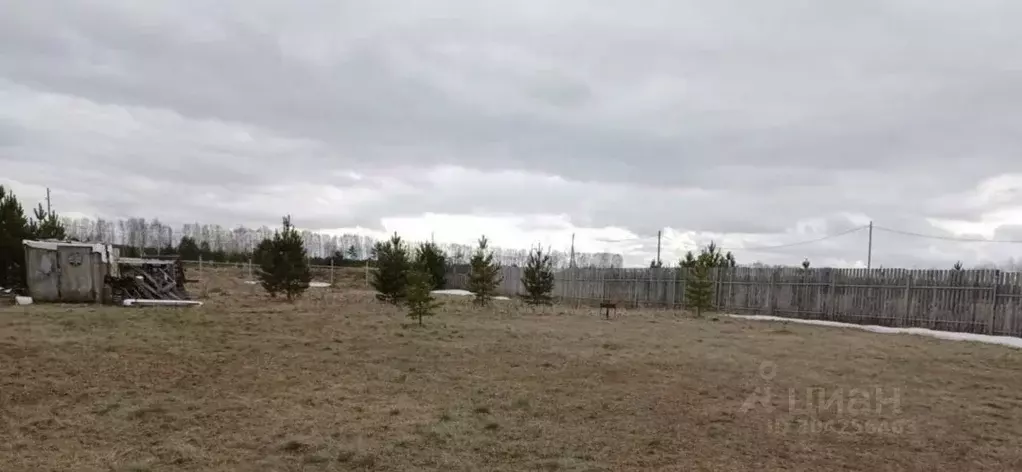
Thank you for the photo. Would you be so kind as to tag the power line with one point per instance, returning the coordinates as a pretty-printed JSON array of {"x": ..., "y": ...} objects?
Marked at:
[
  {"x": 798, "y": 243},
  {"x": 947, "y": 238},
  {"x": 754, "y": 248}
]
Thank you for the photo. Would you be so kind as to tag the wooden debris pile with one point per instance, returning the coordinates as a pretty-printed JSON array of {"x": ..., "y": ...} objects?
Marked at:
[{"x": 149, "y": 279}]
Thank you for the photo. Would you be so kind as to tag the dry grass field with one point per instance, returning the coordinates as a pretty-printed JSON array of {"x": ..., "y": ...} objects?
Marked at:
[{"x": 340, "y": 382}]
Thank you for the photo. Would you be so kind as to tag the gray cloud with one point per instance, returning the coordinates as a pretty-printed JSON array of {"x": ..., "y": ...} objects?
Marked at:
[{"x": 732, "y": 118}]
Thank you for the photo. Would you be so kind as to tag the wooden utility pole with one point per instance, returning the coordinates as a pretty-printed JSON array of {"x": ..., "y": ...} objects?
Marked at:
[
  {"x": 869, "y": 249},
  {"x": 47, "y": 201},
  {"x": 571, "y": 263},
  {"x": 658, "y": 235}
]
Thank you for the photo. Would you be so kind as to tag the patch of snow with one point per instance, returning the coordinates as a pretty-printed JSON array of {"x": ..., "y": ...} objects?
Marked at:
[
  {"x": 311, "y": 284},
  {"x": 148, "y": 302},
  {"x": 980, "y": 338},
  {"x": 19, "y": 300},
  {"x": 462, "y": 293}
]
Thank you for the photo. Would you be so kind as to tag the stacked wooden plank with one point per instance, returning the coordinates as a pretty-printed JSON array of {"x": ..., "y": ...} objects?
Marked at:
[{"x": 150, "y": 279}]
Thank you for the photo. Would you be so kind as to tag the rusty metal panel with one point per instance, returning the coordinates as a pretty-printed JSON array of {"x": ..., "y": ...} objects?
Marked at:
[
  {"x": 76, "y": 274},
  {"x": 43, "y": 274}
]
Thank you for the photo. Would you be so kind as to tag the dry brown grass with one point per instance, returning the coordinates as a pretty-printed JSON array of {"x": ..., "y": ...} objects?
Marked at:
[{"x": 340, "y": 382}]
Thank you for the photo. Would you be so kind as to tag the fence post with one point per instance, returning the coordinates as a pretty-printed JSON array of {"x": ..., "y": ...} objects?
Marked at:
[
  {"x": 331, "y": 271},
  {"x": 716, "y": 288},
  {"x": 908, "y": 300},
  {"x": 993, "y": 307},
  {"x": 250, "y": 268},
  {"x": 730, "y": 288},
  {"x": 684, "y": 272},
  {"x": 831, "y": 299},
  {"x": 771, "y": 297}
]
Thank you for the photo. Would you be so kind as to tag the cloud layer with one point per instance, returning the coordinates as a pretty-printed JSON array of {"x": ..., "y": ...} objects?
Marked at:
[{"x": 755, "y": 124}]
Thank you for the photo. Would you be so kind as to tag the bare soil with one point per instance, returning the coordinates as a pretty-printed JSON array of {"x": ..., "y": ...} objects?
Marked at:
[{"x": 338, "y": 381}]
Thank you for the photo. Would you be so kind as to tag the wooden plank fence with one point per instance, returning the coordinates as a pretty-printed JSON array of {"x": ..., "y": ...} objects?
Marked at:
[{"x": 974, "y": 301}]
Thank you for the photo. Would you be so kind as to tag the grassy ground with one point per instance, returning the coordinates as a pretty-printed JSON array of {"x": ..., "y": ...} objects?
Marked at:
[{"x": 340, "y": 382}]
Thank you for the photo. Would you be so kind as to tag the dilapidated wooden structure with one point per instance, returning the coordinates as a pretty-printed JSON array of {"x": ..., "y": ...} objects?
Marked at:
[
  {"x": 151, "y": 279},
  {"x": 72, "y": 272},
  {"x": 67, "y": 271}
]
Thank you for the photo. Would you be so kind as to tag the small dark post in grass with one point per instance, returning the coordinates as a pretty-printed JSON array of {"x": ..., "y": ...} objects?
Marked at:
[{"x": 606, "y": 307}]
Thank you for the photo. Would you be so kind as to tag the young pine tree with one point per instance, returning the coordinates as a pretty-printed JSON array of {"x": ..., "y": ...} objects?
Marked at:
[
  {"x": 538, "y": 278},
  {"x": 47, "y": 225},
  {"x": 699, "y": 287},
  {"x": 390, "y": 278},
  {"x": 283, "y": 264},
  {"x": 188, "y": 249},
  {"x": 14, "y": 228},
  {"x": 419, "y": 297},
  {"x": 432, "y": 259},
  {"x": 484, "y": 275}
]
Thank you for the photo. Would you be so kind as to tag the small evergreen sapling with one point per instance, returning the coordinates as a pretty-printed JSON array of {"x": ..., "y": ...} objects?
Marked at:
[
  {"x": 419, "y": 297},
  {"x": 390, "y": 278},
  {"x": 283, "y": 263},
  {"x": 485, "y": 274},
  {"x": 433, "y": 260},
  {"x": 47, "y": 225},
  {"x": 538, "y": 278},
  {"x": 698, "y": 270},
  {"x": 699, "y": 288},
  {"x": 14, "y": 228}
]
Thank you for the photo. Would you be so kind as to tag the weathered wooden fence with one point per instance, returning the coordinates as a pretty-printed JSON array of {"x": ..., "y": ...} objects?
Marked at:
[{"x": 977, "y": 301}]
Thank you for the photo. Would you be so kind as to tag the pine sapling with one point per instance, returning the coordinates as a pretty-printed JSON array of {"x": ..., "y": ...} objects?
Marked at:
[
  {"x": 699, "y": 288},
  {"x": 390, "y": 278},
  {"x": 485, "y": 274},
  {"x": 419, "y": 297},
  {"x": 283, "y": 263},
  {"x": 433, "y": 260},
  {"x": 538, "y": 278}
]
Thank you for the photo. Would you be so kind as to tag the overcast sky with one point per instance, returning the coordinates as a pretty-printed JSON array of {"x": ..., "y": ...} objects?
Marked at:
[{"x": 755, "y": 123}]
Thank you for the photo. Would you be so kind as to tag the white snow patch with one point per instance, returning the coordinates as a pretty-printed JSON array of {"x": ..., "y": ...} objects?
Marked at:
[
  {"x": 463, "y": 293},
  {"x": 980, "y": 338},
  {"x": 311, "y": 284},
  {"x": 148, "y": 302},
  {"x": 19, "y": 300}
]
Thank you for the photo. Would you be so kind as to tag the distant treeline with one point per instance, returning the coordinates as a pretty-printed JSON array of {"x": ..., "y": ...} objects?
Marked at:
[{"x": 139, "y": 236}]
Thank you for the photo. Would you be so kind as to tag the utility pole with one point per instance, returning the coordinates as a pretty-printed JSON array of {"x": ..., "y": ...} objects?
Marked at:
[
  {"x": 572, "y": 260},
  {"x": 47, "y": 200},
  {"x": 869, "y": 253},
  {"x": 658, "y": 234}
]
